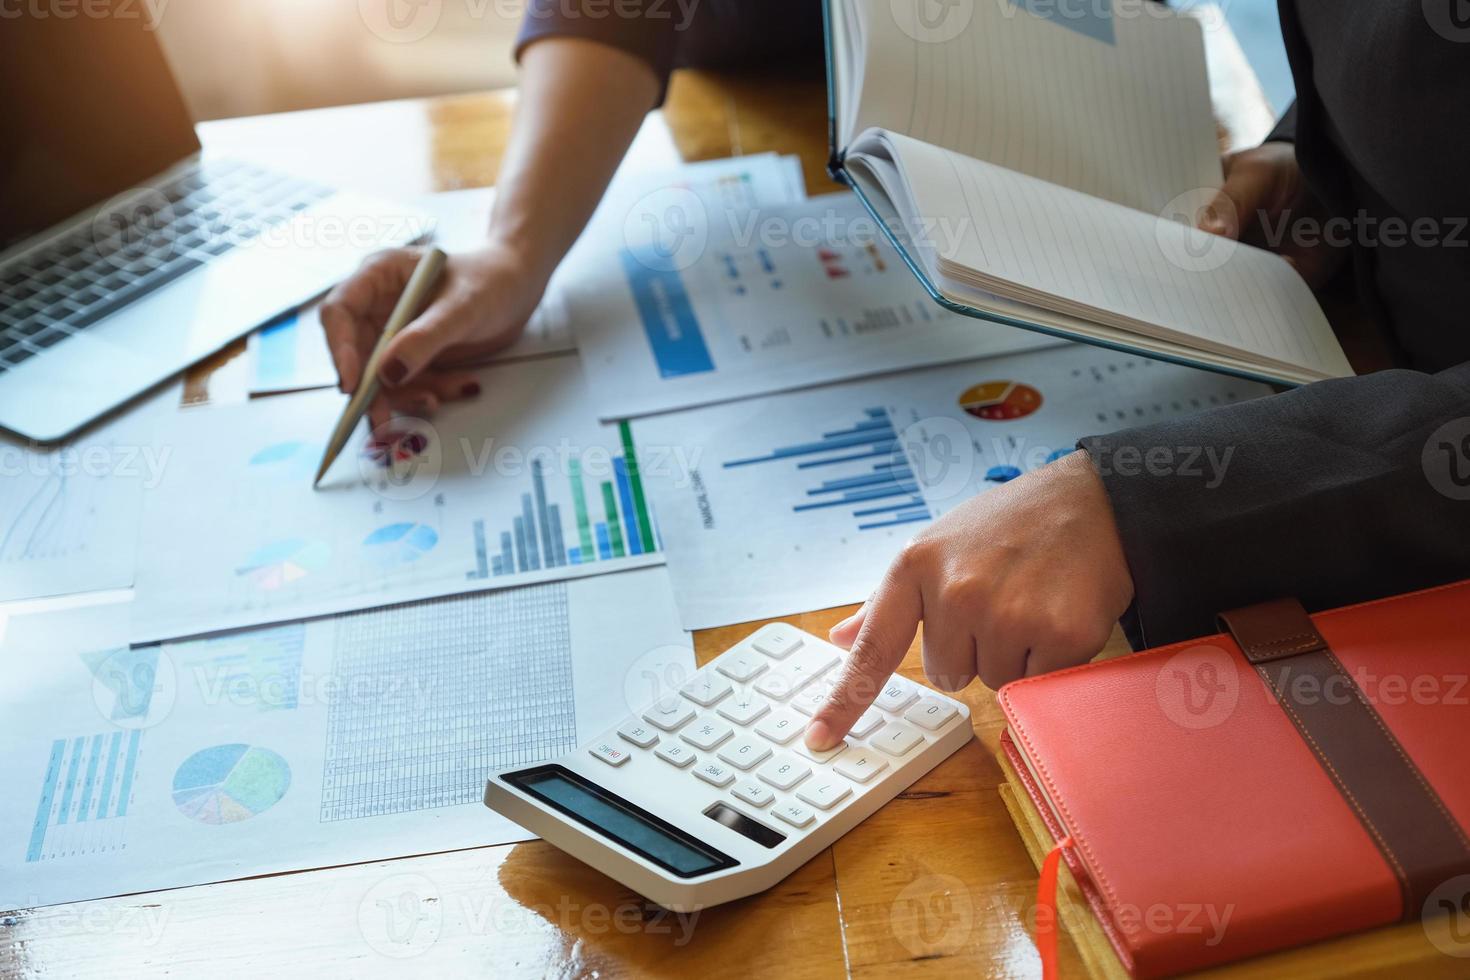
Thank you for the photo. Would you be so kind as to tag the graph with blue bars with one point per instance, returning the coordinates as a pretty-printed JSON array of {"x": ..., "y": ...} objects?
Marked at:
[
  {"x": 861, "y": 469},
  {"x": 606, "y": 519},
  {"x": 86, "y": 790}
]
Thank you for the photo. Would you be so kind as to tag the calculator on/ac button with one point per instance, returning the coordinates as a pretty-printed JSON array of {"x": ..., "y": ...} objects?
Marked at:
[{"x": 710, "y": 794}]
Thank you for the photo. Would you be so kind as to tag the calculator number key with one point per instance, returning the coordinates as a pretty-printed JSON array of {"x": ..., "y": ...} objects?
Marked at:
[
  {"x": 896, "y": 695},
  {"x": 784, "y": 772},
  {"x": 896, "y": 738},
  {"x": 781, "y": 726},
  {"x": 810, "y": 701},
  {"x": 824, "y": 794},
  {"x": 826, "y": 756},
  {"x": 753, "y": 792},
  {"x": 930, "y": 713},
  {"x": 669, "y": 713},
  {"x": 860, "y": 765},
  {"x": 609, "y": 753},
  {"x": 867, "y": 722},
  {"x": 745, "y": 753},
  {"x": 706, "y": 733},
  {"x": 638, "y": 733},
  {"x": 714, "y": 774}
]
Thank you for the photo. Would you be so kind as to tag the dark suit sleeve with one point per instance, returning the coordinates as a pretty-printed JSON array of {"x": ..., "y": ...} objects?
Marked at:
[
  {"x": 1285, "y": 130},
  {"x": 643, "y": 28},
  {"x": 1338, "y": 492}
]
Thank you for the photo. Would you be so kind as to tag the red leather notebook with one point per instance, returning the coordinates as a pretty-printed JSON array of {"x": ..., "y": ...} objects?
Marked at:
[{"x": 1282, "y": 782}]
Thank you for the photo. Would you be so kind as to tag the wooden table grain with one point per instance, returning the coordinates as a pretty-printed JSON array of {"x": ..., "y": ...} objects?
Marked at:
[{"x": 935, "y": 884}]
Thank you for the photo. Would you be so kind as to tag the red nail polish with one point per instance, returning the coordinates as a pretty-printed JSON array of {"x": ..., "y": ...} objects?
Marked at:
[
  {"x": 394, "y": 371},
  {"x": 470, "y": 390}
]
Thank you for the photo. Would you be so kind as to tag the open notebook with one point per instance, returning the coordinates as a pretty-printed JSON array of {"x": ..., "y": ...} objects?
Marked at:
[{"x": 1041, "y": 164}]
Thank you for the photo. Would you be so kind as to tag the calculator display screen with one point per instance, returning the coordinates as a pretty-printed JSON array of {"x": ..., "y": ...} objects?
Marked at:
[{"x": 620, "y": 821}]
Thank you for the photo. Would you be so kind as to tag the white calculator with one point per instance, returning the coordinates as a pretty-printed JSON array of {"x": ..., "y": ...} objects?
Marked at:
[{"x": 711, "y": 794}]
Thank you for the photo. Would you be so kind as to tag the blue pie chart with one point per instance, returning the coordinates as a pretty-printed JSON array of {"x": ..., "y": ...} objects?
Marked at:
[{"x": 399, "y": 544}]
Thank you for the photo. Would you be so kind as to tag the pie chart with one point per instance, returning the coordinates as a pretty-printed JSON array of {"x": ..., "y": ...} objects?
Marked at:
[
  {"x": 280, "y": 563},
  {"x": 229, "y": 783},
  {"x": 1001, "y": 401},
  {"x": 399, "y": 544}
]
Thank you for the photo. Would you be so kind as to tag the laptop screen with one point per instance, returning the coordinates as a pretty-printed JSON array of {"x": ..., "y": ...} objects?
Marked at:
[{"x": 88, "y": 108}]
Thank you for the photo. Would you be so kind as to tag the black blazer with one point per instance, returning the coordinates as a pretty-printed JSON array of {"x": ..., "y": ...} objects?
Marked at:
[{"x": 1347, "y": 490}]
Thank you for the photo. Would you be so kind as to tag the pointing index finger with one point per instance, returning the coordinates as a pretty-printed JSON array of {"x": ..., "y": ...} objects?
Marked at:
[{"x": 888, "y": 629}]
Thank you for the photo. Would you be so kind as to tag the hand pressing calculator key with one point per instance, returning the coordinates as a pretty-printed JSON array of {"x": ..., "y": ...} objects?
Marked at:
[{"x": 711, "y": 794}]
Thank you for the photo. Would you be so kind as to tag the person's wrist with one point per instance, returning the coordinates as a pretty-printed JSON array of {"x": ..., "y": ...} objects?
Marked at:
[
  {"x": 520, "y": 248},
  {"x": 1085, "y": 481},
  {"x": 498, "y": 261}
]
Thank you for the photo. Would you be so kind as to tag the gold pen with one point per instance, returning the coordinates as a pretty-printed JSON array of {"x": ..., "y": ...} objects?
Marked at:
[{"x": 415, "y": 295}]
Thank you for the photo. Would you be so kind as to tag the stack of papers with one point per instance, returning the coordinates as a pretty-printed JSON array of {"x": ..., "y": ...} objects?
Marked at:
[{"x": 725, "y": 379}]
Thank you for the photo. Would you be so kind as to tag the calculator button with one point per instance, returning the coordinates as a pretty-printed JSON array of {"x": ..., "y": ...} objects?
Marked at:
[
  {"x": 794, "y": 814},
  {"x": 745, "y": 753},
  {"x": 777, "y": 641},
  {"x": 609, "y": 753},
  {"x": 796, "y": 673},
  {"x": 930, "y": 713},
  {"x": 706, "y": 733},
  {"x": 860, "y": 765},
  {"x": 810, "y": 701},
  {"x": 821, "y": 756},
  {"x": 824, "y": 794},
  {"x": 669, "y": 713},
  {"x": 706, "y": 688},
  {"x": 897, "y": 738},
  {"x": 743, "y": 708},
  {"x": 675, "y": 754},
  {"x": 781, "y": 726},
  {"x": 741, "y": 665},
  {"x": 752, "y": 792},
  {"x": 896, "y": 695},
  {"x": 784, "y": 772},
  {"x": 638, "y": 733},
  {"x": 867, "y": 721},
  {"x": 714, "y": 774}
]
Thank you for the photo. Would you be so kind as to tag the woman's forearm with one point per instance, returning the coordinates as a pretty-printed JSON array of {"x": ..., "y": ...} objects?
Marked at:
[{"x": 581, "y": 104}]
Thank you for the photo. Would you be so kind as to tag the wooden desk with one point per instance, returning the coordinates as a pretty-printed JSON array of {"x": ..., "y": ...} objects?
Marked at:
[{"x": 936, "y": 884}]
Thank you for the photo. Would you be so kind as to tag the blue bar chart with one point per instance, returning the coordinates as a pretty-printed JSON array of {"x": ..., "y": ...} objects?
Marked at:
[
  {"x": 608, "y": 519},
  {"x": 88, "y": 782},
  {"x": 862, "y": 468}
]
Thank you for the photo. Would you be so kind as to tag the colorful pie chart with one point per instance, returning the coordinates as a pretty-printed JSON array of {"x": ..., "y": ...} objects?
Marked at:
[
  {"x": 280, "y": 563},
  {"x": 1001, "y": 401},
  {"x": 399, "y": 544},
  {"x": 229, "y": 783}
]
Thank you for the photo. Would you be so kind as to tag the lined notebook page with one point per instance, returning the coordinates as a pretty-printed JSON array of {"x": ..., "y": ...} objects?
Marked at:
[
  {"x": 1114, "y": 104},
  {"x": 1063, "y": 250}
]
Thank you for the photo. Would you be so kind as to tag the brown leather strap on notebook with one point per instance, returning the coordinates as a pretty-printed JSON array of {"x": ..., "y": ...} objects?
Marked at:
[{"x": 1403, "y": 814}]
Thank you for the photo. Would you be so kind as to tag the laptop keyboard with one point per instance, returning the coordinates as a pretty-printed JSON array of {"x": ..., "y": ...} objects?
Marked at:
[{"x": 157, "y": 236}]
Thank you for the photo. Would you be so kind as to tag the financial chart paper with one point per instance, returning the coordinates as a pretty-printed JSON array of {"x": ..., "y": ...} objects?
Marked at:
[
  {"x": 358, "y": 737},
  {"x": 695, "y": 306},
  {"x": 800, "y": 501},
  {"x": 519, "y": 486}
]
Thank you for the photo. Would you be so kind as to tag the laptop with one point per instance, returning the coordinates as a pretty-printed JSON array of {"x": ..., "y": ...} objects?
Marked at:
[{"x": 126, "y": 254}]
